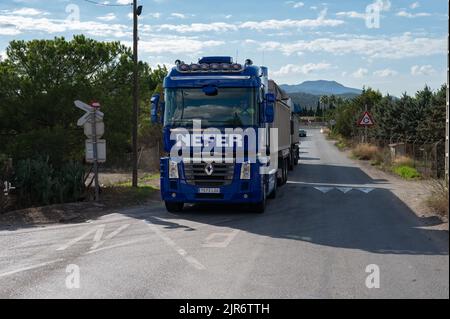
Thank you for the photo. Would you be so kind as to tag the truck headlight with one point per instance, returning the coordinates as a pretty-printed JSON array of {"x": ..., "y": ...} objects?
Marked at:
[
  {"x": 245, "y": 170},
  {"x": 173, "y": 169}
]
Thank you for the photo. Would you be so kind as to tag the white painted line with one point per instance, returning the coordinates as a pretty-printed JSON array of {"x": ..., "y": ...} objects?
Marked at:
[
  {"x": 100, "y": 242},
  {"x": 365, "y": 190},
  {"x": 228, "y": 237},
  {"x": 117, "y": 245},
  {"x": 12, "y": 272},
  {"x": 74, "y": 241},
  {"x": 191, "y": 260},
  {"x": 324, "y": 189},
  {"x": 344, "y": 189}
]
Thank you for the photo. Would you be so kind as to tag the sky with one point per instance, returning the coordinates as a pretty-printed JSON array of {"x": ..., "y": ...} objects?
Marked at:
[{"x": 394, "y": 46}]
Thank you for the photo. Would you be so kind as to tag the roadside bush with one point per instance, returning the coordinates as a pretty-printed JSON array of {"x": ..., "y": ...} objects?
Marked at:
[
  {"x": 403, "y": 161},
  {"x": 406, "y": 172},
  {"x": 38, "y": 183},
  {"x": 438, "y": 201},
  {"x": 365, "y": 151}
]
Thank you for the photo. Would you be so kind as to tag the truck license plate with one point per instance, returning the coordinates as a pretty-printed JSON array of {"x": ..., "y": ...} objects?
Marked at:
[{"x": 209, "y": 190}]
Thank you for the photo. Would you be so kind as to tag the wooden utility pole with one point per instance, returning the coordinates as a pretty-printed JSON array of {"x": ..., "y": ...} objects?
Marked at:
[{"x": 135, "y": 93}]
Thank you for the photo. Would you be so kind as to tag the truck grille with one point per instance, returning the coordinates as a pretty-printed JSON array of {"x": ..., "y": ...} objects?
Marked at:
[{"x": 222, "y": 174}]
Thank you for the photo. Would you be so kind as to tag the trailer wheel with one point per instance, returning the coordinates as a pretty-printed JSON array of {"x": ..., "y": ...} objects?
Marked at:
[
  {"x": 291, "y": 161},
  {"x": 285, "y": 170},
  {"x": 174, "y": 207}
]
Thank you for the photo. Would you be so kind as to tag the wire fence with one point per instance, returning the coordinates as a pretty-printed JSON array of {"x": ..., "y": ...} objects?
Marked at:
[{"x": 426, "y": 156}]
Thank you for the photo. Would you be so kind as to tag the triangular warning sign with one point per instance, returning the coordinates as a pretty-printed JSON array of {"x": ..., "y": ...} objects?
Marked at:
[{"x": 366, "y": 120}]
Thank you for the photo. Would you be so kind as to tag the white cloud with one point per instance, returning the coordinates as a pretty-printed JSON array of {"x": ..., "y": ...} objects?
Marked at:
[
  {"x": 320, "y": 21},
  {"x": 198, "y": 27},
  {"x": 422, "y": 70},
  {"x": 155, "y": 15},
  {"x": 108, "y": 17},
  {"x": 385, "y": 73},
  {"x": 2, "y": 55},
  {"x": 412, "y": 15},
  {"x": 414, "y": 5},
  {"x": 295, "y": 5},
  {"x": 351, "y": 14},
  {"x": 301, "y": 69},
  {"x": 176, "y": 45},
  {"x": 123, "y": 1},
  {"x": 28, "y": 12},
  {"x": 178, "y": 15},
  {"x": 17, "y": 24},
  {"x": 396, "y": 47},
  {"x": 360, "y": 73}
]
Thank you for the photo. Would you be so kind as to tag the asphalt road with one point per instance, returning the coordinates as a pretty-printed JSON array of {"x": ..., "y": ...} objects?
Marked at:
[{"x": 329, "y": 228}]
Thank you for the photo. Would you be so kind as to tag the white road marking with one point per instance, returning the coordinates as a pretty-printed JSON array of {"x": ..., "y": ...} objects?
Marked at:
[
  {"x": 110, "y": 236},
  {"x": 191, "y": 260},
  {"x": 116, "y": 245},
  {"x": 74, "y": 241},
  {"x": 228, "y": 237},
  {"x": 365, "y": 190},
  {"x": 344, "y": 189},
  {"x": 324, "y": 189},
  {"x": 12, "y": 272},
  {"x": 99, "y": 230}
]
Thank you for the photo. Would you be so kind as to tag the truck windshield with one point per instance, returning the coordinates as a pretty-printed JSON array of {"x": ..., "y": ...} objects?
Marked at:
[{"x": 230, "y": 107}]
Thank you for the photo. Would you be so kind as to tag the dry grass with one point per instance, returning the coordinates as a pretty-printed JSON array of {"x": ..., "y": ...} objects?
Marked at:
[
  {"x": 403, "y": 161},
  {"x": 365, "y": 151},
  {"x": 438, "y": 201}
]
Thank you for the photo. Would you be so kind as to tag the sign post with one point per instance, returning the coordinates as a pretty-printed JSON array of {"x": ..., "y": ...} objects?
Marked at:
[
  {"x": 95, "y": 105},
  {"x": 94, "y": 129},
  {"x": 366, "y": 121}
]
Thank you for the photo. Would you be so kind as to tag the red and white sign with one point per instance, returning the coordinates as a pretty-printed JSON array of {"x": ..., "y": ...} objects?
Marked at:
[{"x": 366, "y": 120}]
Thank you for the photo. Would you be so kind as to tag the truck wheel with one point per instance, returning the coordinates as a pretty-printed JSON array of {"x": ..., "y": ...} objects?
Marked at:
[
  {"x": 273, "y": 193},
  {"x": 285, "y": 171},
  {"x": 261, "y": 206},
  {"x": 291, "y": 161},
  {"x": 174, "y": 207}
]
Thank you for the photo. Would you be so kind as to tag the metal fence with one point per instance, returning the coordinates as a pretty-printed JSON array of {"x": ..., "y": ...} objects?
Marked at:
[{"x": 427, "y": 156}]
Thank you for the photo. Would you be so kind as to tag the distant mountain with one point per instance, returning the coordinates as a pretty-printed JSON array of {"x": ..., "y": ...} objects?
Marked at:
[{"x": 320, "y": 87}]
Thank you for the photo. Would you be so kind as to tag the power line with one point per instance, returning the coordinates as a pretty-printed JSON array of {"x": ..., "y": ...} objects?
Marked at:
[{"x": 109, "y": 5}]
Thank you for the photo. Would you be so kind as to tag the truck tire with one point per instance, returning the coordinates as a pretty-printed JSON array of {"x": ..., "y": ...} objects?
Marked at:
[
  {"x": 273, "y": 193},
  {"x": 291, "y": 161},
  {"x": 260, "y": 207},
  {"x": 285, "y": 166},
  {"x": 174, "y": 207}
]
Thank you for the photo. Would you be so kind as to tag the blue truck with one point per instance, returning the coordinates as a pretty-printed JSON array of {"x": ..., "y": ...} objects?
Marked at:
[{"x": 245, "y": 166}]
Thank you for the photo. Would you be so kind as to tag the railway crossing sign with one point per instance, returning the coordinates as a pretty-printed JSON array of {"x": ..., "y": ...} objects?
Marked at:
[
  {"x": 94, "y": 128},
  {"x": 366, "y": 120}
]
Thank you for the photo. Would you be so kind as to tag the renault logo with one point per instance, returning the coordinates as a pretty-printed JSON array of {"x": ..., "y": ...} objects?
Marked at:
[{"x": 209, "y": 169}]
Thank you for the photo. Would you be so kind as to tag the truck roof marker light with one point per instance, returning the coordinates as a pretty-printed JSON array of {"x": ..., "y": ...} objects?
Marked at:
[
  {"x": 204, "y": 67},
  {"x": 248, "y": 62},
  {"x": 225, "y": 67},
  {"x": 195, "y": 67},
  {"x": 215, "y": 66},
  {"x": 236, "y": 67},
  {"x": 184, "y": 67}
]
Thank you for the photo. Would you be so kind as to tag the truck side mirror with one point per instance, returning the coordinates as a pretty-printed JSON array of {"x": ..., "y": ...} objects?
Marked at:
[
  {"x": 269, "y": 108},
  {"x": 154, "y": 101}
]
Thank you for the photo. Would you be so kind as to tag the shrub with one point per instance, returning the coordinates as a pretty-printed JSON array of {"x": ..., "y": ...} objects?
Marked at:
[
  {"x": 438, "y": 201},
  {"x": 365, "y": 151},
  {"x": 39, "y": 183},
  {"x": 403, "y": 161},
  {"x": 406, "y": 172}
]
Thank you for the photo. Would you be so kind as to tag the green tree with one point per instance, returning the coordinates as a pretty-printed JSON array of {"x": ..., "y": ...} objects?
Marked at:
[{"x": 40, "y": 79}]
